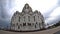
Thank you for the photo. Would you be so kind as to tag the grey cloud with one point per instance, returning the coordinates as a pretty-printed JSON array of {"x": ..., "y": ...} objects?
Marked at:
[
  {"x": 5, "y": 6},
  {"x": 50, "y": 11},
  {"x": 55, "y": 19}
]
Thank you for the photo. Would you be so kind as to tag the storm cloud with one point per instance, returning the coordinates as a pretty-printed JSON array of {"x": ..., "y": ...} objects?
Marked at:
[{"x": 5, "y": 13}]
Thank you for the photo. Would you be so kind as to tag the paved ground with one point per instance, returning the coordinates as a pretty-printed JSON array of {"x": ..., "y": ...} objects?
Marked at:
[{"x": 50, "y": 31}]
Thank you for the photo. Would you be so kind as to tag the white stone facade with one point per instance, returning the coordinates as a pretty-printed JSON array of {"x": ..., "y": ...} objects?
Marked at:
[{"x": 27, "y": 20}]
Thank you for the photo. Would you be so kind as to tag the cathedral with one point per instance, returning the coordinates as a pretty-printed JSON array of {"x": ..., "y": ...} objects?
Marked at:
[{"x": 27, "y": 20}]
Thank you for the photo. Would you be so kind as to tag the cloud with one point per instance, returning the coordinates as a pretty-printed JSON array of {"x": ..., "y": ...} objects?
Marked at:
[
  {"x": 54, "y": 17},
  {"x": 5, "y": 13}
]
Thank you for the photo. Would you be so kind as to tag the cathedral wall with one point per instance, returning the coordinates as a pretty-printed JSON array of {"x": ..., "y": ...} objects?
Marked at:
[{"x": 27, "y": 20}]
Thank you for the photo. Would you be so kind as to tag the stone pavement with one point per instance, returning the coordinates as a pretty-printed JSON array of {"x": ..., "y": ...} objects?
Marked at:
[{"x": 49, "y": 31}]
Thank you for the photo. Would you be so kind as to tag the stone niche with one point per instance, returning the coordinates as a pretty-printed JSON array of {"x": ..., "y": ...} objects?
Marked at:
[{"x": 27, "y": 20}]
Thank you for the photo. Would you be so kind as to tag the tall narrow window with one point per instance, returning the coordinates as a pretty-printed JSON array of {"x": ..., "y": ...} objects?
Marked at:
[
  {"x": 34, "y": 18},
  {"x": 24, "y": 18},
  {"x": 35, "y": 26},
  {"x": 19, "y": 19},
  {"x": 39, "y": 24},
  {"x": 18, "y": 27},
  {"x": 29, "y": 18},
  {"x": 38, "y": 17},
  {"x": 36, "y": 22},
  {"x": 16, "y": 23},
  {"x": 21, "y": 25}
]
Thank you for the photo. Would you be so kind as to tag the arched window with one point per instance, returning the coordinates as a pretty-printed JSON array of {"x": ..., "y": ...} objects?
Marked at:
[
  {"x": 19, "y": 19},
  {"x": 18, "y": 27},
  {"x": 24, "y": 24},
  {"x": 16, "y": 23},
  {"x": 24, "y": 18},
  {"x": 35, "y": 26},
  {"x": 38, "y": 17},
  {"x": 39, "y": 24},
  {"x": 29, "y": 18},
  {"x": 34, "y": 18},
  {"x": 21, "y": 25},
  {"x": 36, "y": 22}
]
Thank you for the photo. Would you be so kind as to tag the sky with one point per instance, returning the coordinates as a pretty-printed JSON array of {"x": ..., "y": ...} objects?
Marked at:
[{"x": 50, "y": 9}]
